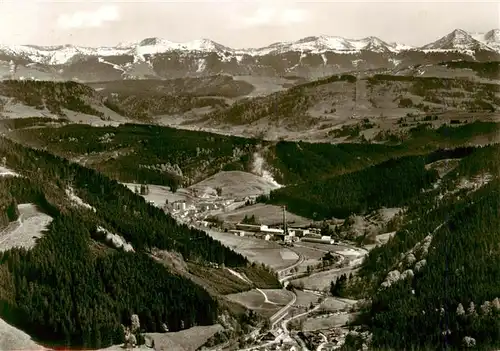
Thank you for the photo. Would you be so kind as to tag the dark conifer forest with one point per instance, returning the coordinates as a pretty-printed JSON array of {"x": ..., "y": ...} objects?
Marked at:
[
  {"x": 454, "y": 290},
  {"x": 391, "y": 184},
  {"x": 71, "y": 289}
]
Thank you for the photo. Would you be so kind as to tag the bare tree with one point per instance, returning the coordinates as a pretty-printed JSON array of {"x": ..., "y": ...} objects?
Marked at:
[{"x": 135, "y": 324}]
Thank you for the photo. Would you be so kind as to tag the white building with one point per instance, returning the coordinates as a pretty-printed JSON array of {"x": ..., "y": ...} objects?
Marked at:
[
  {"x": 179, "y": 205},
  {"x": 323, "y": 239},
  {"x": 265, "y": 229},
  {"x": 299, "y": 231}
]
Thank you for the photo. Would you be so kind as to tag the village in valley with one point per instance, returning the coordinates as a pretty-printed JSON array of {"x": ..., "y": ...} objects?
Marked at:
[
  {"x": 306, "y": 256},
  {"x": 205, "y": 208}
]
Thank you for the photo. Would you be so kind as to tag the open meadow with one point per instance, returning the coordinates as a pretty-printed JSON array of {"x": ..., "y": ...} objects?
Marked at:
[
  {"x": 321, "y": 281},
  {"x": 326, "y": 322},
  {"x": 312, "y": 257},
  {"x": 186, "y": 340},
  {"x": 305, "y": 298},
  {"x": 265, "y": 214},
  {"x": 257, "y": 250},
  {"x": 235, "y": 184},
  {"x": 266, "y": 302},
  {"x": 158, "y": 193},
  {"x": 26, "y": 230}
]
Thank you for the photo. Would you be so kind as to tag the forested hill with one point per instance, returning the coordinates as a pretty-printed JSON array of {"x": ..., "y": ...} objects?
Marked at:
[
  {"x": 147, "y": 227},
  {"x": 435, "y": 285},
  {"x": 392, "y": 183},
  {"x": 173, "y": 157},
  {"x": 388, "y": 184},
  {"x": 71, "y": 289}
]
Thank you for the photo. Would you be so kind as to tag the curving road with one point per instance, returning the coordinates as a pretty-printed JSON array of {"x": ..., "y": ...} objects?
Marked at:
[
  {"x": 296, "y": 264},
  {"x": 281, "y": 314}
]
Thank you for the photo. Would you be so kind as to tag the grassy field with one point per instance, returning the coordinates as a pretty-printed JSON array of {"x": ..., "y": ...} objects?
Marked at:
[
  {"x": 305, "y": 298},
  {"x": 321, "y": 281},
  {"x": 265, "y": 214},
  {"x": 256, "y": 250},
  {"x": 264, "y": 85},
  {"x": 332, "y": 304},
  {"x": 26, "y": 230},
  {"x": 235, "y": 184},
  {"x": 326, "y": 322},
  {"x": 218, "y": 280},
  {"x": 337, "y": 248},
  {"x": 159, "y": 193},
  {"x": 339, "y": 314},
  {"x": 309, "y": 252},
  {"x": 278, "y": 296},
  {"x": 312, "y": 257},
  {"x": 256, "y": 301},
  {"x": 186, "y": 340}
]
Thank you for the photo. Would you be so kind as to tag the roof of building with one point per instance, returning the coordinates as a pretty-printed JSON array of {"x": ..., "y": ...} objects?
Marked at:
[{"x": 271, "y": 230}]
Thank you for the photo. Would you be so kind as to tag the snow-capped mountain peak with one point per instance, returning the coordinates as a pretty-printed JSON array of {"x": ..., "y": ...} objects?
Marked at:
[
  {"x": 397, "y": 47},
  {"x": 456, "y": 40},
  {"x": 374, "y": 44},
  {"x": 492, "y": 36},
  {"x": 324, "y": 43},
  {"x": 153, "y": 41},
  {"x": 167, "y": 45},
  {"x": 205, "y": 45},
  {"x": 152, "y": 46}
]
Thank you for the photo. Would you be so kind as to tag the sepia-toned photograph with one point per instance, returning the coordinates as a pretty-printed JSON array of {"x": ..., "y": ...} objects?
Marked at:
[{"x": 244, "y": 175}]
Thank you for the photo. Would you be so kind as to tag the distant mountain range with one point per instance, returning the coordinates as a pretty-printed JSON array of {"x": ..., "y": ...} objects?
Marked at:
[{"x": 310, "y": 57}]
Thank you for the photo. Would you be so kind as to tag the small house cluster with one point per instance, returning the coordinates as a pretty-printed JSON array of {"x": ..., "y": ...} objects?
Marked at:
[{"x": 197, "y": 211}]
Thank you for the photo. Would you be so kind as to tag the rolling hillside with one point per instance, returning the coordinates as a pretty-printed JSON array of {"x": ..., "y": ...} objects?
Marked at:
[
  {"x": 117, "y": 101},
  {"x": 322, "y": 106},
  {"x": 434, "y": 285},
  {"x": 340, "y": 108},
  {"x": 60, "y": 290}
]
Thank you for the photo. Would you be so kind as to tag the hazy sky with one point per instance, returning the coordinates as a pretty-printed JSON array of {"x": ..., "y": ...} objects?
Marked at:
[{"x": 236, "y": 23}]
